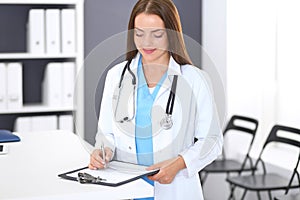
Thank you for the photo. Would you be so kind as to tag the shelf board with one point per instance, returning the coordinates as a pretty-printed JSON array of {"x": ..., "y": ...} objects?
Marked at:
[
  {"x": 39, "y": 2},
  {"x": 34, "y": 56},
  {"x": 38, "y": 109}
]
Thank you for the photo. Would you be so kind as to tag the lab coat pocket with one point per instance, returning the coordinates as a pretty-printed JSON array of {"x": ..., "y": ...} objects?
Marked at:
[{"x": 125, "y": 149}]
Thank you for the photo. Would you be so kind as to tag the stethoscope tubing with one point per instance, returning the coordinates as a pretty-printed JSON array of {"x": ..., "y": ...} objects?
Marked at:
[
  {"x": 171, "y": 99},
  {"x": 170, "y": 102}
]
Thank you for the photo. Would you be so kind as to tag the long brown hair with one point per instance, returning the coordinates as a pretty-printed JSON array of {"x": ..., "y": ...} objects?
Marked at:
[{"x": 167, "y": 11}]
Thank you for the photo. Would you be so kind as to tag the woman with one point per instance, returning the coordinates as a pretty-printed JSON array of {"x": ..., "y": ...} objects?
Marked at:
[{"x": 171, "y": 106}]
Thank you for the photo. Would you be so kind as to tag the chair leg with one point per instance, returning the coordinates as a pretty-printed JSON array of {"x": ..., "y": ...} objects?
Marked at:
[
  {"x": 231, "y": 195},
  {"x": 244, "y": 194},
  {"x": 270, "y": 195},
  {"x": 258, "y": 195}
]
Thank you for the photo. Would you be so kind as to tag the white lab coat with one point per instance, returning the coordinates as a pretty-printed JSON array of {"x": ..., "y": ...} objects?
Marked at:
[{"x": 194, "y": 116}]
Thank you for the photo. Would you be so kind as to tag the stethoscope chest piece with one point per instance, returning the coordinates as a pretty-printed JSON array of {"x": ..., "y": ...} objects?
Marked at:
[{"x": 166, "y": 123}]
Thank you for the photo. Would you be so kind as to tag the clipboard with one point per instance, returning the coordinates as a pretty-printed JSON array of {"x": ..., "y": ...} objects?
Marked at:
[{"x": 117, "y": 173}]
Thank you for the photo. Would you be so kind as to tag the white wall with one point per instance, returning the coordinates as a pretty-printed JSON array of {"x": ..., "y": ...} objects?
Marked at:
[
  {"x": 288, "y": 63},
  {"x": 251, "y": 53},
  {"x": 214, "y": 46},
  {"x": 263, "y": 64}
]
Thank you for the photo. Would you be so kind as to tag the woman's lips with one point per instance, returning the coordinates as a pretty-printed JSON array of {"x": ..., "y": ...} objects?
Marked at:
[{"x": 148, "y": 51}]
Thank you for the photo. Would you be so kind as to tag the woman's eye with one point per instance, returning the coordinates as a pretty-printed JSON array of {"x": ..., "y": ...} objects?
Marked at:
[
  {"x": 139, "y": 34},
  {"x": 158, "y": 35}
]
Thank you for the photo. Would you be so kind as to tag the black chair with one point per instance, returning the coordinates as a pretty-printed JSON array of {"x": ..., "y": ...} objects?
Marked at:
[
  {"x": 291, "y": 196},
  {"x": 225, "y": 165},
  {"x": 267, "y": 181}
]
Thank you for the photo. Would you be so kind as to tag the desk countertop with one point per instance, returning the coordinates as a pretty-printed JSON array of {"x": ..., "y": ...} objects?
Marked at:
[{"x": 30, "y": 169}]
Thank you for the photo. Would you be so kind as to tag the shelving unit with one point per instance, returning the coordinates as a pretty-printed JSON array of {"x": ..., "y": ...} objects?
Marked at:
[
  {"x": 23, "y": 56},
  {"x": 38, "y": 109},
  {"x": 14, "y": 15}
]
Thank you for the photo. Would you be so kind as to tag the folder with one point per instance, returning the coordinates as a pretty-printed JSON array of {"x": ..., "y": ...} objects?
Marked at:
[
  {"x": 68, "y": 30},
  {"x": 52, "y": 31},
  {"x": 3, "y": 86},
  {"x": 65, "y": 122},
  {"x": 117, "y": 173},
  {"x": 68, "y": 76},
  {"x": 36, "y": 31},
  {"x": 44, "y": 123},
  {"x": 14, "y": 86},
  {"x": 23, "y": 124},
  {"x": 7, "y": 136},
  {"x": 52, "y": 83}
]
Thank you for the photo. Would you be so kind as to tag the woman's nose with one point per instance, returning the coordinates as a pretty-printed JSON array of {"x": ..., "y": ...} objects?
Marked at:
[{"x": 147, "y": 40}]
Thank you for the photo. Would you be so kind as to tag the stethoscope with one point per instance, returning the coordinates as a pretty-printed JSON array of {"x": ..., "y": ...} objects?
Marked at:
[{"x": 167, "y": 122}]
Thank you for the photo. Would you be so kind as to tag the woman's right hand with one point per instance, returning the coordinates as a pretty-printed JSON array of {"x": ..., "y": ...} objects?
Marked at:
[{"x": 96, "y": 159}]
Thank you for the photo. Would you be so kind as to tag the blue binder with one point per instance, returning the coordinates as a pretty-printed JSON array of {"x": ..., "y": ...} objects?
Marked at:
[{"x": 7, "y": 136}]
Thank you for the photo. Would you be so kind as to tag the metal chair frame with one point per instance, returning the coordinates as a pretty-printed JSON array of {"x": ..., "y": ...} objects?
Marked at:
[
  {"x": 241, "y": 180},
  {"x": 233, "y": 166}
]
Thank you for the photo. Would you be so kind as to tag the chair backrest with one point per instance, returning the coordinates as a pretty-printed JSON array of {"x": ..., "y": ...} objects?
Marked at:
[
  {"x": 275, "y": 137},
  {"x": 232, "y": 125}
]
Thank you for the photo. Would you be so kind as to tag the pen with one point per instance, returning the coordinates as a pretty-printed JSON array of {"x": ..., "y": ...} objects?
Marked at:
[{"x": 103, "y": 154}]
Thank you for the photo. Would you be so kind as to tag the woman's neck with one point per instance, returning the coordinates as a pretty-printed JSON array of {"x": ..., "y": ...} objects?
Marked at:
[{"x": 154, "y": 71}]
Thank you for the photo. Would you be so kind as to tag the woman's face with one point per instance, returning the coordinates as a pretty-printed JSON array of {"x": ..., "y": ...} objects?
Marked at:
[{"x": 151, "y": 39}]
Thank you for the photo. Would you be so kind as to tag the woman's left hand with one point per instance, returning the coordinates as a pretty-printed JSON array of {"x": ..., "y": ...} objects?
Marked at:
[{"x": 168, "y": 170}]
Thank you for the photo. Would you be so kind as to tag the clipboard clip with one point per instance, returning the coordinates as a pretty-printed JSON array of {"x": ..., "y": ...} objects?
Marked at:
[{"x": 87, "y": 178}]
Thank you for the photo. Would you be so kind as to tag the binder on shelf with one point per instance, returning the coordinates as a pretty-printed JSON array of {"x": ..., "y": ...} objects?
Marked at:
[
  {"x": 44, "y": 123},
  {"x": 53, "y": 31},
  {"x": 14, "y": 86},
  {"x": 36, "y": 123},
  {"x": 3, "y": 87},
  {"x": 68, "y": 30},
  {"x": 65, "y": 122},
  {"x": 68, "y": 76},
  {"x": 23, "y": 124},
  {"x": 52, "y": 93},
  {"x": 36, "y": 31}
]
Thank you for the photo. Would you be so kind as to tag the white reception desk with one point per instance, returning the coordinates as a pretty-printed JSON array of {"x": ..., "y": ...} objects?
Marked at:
[{"x": 30, "y": 169}]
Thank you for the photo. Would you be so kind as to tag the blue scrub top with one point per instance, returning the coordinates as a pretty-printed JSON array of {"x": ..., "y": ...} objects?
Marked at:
[{"x": 143, "y": 129}]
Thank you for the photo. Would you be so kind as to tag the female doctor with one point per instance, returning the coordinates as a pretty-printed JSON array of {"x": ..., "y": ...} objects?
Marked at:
[{"x": 156, "y": 103}]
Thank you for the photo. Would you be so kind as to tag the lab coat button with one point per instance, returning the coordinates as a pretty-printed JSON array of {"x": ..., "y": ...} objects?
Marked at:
[{"x": 129, "y": 147}]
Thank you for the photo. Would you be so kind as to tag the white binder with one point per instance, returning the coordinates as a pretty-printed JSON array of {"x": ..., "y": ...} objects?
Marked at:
[
  {"x": 44, "y": 123},
  {"x": 23, "y": 124},
  {"x": 68, "y": 76},
  {"x": 14, "y": 86},
  {"x": 52, "y": 92},
  {"x": 3, "y": 83},
  {"x": 65, "y": 122},
  {"x": 52, "y": 31},
  {"x": 68, "y": 30},
  {"x": 36, "y": 31}
]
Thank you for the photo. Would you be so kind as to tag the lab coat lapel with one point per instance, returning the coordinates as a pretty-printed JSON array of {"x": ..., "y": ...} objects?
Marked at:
[{"x": 173, "y": 69}]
